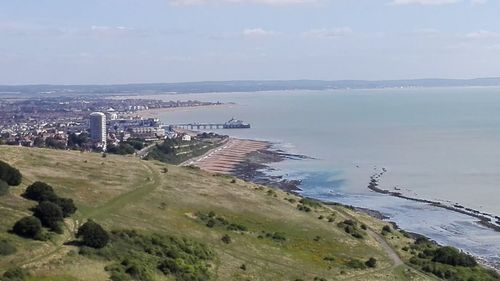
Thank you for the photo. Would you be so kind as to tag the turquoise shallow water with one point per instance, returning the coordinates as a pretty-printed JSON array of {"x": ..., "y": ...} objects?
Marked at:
[{"x": 439, "y": 144}]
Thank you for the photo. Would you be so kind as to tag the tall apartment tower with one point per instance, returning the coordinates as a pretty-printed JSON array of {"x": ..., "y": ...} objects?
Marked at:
[{"x": 98, "y": 129}]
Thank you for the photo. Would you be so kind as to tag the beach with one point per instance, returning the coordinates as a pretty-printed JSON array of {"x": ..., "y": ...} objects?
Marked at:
[{"x": 227, "y": 157}]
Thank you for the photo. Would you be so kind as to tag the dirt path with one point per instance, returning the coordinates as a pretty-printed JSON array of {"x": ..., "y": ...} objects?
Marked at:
[{"x": 391, "y": 253}]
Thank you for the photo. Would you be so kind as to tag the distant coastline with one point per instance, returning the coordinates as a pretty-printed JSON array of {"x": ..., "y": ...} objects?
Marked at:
[{"x": 235, "y": 86}]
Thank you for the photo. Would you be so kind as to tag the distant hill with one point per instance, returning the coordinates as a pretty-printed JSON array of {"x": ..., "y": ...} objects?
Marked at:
[{"x": 241, "y": 86}]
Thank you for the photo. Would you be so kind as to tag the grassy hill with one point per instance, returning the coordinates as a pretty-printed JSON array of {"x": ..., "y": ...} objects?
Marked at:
[{"x": 274, "y": 239}]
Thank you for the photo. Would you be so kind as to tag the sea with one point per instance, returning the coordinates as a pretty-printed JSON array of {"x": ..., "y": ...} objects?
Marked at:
[{"x": 439, "y": 144}]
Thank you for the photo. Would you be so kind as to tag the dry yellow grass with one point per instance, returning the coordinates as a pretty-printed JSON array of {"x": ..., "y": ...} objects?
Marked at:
[{"x": 124, "y": 192}]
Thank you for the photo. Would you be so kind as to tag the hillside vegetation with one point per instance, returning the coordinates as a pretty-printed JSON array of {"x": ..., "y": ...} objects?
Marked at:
[{"x": 179, "y": 223}]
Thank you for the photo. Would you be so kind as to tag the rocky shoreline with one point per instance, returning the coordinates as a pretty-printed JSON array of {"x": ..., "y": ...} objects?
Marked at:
[
  {"x": 254, "y": 167},
  {"x": 485, "y": 219},
  {"x": 256, "y": 164}
]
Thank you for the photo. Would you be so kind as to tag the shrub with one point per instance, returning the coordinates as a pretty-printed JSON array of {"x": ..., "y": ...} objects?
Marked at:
[
  {"x": 310, "y": 202},
  {"x": 9, "y": 174},
  {"x": 236, "y": 227},
  {"x": 50, "y": 215},
  {"x": 452, "y": 256},
  {"x": 28, "y": 227},
  {"x": 40, "y": 191},
  {"x": 386, "y": 229},
  {"x": 226, "y": 239},
  {"x": 329, "y": 258},
  {"x": 15, "y": 274},
  {"x": 93, "y": 235},
  {"x": 4, "y": 188},
  {"x": 6, "y": 248},
  {"x": 304, "y": 208},
  {"x": 278, "y": 236},
  {"x": 356, "y": 264},
  {"x": 371, "y": 262},
  {"x": 210, "y": 223},
  {"x": 67, "y": 206}
]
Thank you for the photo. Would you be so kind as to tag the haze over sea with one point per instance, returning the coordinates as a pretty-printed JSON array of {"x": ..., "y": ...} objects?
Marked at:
[{"x": 436, "y": 143}]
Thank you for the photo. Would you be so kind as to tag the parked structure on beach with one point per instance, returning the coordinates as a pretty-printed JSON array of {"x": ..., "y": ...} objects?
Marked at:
[
  {"x": 236, "y": 124},
  {"x": 98, "y": 132}
]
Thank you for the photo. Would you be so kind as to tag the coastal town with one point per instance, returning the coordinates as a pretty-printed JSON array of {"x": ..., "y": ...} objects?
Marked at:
[{"x": 85, "y": 123}]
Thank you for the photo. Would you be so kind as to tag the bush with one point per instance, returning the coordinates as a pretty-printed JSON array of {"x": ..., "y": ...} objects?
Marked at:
[
  {"x": 93, "y": 235},
  {"x": 50, "y": 215},
  {"x": 386, "y": 229},
  {"x": 121, "y": 149},
  {"x": 226, "y": 239},
  {"x": 6, "y": 248},
  {"x": 278, "y": 236},
  {"x": 356, "y": 264},
  {"x": 452, "y": 256},
  {"x": 67, "y": 206},
  {"x": 304, "y": 208},
  {"x": 9, "y": 174},
  {"x": 137, "y": 256},
  {"x": 310, "y": 202},
  {"x": 28, "y": 227},
  {"x": 15, "y": 274},
  {"x": 40, "y": 191},
  {"x": 371, "y": 262},
  {"x": 4, "y": 188}
]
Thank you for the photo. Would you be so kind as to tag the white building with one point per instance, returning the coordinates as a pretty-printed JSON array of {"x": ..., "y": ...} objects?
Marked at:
[{"x": 98, "y": 129}]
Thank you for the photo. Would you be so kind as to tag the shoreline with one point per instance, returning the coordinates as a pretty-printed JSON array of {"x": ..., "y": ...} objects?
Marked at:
[
  {"x": 252, "y": 166},
  {"x": 485, "y": 219},
  {"x": 155, "y": 112}
]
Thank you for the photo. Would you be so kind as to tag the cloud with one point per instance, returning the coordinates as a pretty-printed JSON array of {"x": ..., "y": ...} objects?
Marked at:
[
  {"x": 482, "y": 34},
  {"x": 257, "y": 32},
  {"x": 328, "y": 33},
  {"x": 434, "y": 2},
  {"x": 260, "y": 2},
  {"x": 424, "y": 2},
  {"x": 478, "y": 2}
]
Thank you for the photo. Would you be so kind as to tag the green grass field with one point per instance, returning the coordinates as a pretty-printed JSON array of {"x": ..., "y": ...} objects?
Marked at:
[{"x": 121, "y": 192}]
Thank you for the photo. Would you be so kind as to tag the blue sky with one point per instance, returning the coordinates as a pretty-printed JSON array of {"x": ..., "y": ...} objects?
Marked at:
[{"x": 129, "y": 41}]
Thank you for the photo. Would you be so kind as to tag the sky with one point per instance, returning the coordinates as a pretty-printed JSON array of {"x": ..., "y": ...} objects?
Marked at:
[{"x": 154, "y": 41}]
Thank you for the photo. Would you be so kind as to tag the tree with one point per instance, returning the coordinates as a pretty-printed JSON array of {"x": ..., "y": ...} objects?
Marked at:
[
  {"x": 50, "y": 215},
  {"x": 67, "y": 206},
  {"x": 40, "y": 191},
  {"x": 9, "y": 174},
  {"x": 4, "y": 188},
  {"x": 452, "y": 256},
  {"x": 28, "y": 227},
  {"x": 93, "y": 235}
]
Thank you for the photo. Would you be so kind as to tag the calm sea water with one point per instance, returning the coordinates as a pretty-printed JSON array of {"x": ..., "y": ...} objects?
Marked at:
[{"x": 439, "y": 144}]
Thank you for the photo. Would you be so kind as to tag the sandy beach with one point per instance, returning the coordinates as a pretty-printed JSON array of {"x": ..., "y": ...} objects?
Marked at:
[{"x": 225, "y": 158}]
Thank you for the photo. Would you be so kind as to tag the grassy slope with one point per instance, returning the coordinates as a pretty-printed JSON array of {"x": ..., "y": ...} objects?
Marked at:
[{"x": 125, "y": 192}]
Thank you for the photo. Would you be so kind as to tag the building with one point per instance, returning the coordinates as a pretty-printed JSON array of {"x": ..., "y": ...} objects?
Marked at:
[{"x": 98, "y": 129}]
